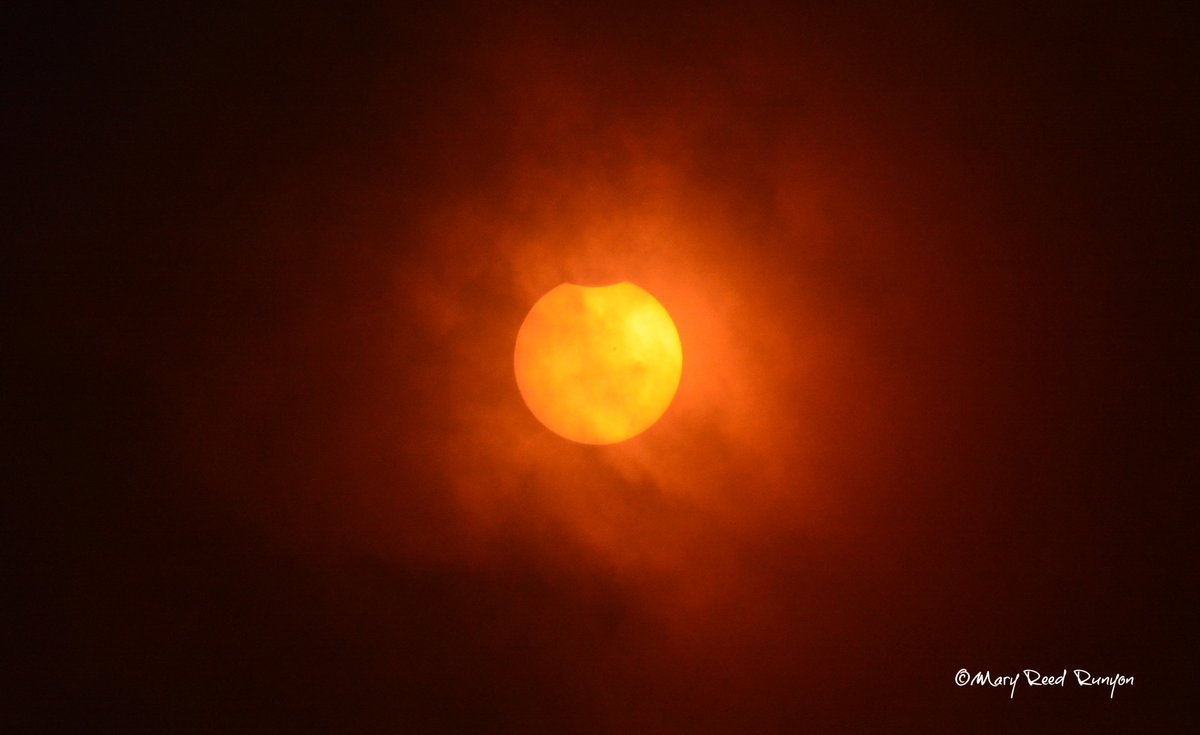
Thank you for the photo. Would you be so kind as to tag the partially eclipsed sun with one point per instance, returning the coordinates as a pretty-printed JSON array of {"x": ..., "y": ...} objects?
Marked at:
[{"x": 598, "y": 365}]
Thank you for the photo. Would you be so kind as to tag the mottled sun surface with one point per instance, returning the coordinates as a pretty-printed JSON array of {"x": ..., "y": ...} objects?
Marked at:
[{"x": 598, "y": 364}]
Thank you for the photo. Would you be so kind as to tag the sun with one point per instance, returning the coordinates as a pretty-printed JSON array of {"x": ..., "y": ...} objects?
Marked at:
[{"x": 598, "y": 364}]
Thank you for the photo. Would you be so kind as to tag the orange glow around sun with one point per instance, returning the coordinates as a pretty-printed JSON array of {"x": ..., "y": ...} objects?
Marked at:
[{"x": 598, "y": 365}]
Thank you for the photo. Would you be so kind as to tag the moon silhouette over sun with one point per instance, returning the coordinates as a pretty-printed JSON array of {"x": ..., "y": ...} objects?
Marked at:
[{"x": 598, "y": 364}]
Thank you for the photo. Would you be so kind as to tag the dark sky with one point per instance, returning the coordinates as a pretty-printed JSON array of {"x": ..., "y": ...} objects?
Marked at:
[{"x": 934, "y": 268}]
